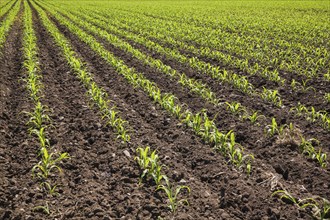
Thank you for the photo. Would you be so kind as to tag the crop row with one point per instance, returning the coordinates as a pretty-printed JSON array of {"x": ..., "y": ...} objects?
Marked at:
[
  {"x": 5, "y": 8},
  {"x": 39, "y": 121},
  {"x": 8, "y": 22}
]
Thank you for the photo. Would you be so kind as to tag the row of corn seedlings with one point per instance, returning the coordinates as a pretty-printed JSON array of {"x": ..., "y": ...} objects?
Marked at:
[
  {"x": 39, "y": 120},
  {"x": 3, "y": 4},
  {"x": 199, "y": 122},
  {"x": 97, "y": 95},
  {"x": 7, "y": 23},
  {"x": 152, "y": 168},
  {"x": 290, "y": 134},
  {"x": 5, "y": 8},
  {"x": 312, "y": 115},
  {"x": 318, "y": 207},
  {"x": 287, "y": 134}
]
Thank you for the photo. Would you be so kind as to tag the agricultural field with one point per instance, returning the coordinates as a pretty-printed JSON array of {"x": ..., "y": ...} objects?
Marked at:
[{"x": 164, "y": 109}]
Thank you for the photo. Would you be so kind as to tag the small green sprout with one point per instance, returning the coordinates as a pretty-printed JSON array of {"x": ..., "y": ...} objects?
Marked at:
[{"x": 172, "y": 194}]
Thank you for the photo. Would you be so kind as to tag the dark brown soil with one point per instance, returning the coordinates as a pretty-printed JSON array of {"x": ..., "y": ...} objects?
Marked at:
[{"x": 101, "y": 180}]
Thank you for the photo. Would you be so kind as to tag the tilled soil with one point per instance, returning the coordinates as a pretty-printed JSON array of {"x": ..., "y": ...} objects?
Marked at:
[{"x": 101, "y": 180}]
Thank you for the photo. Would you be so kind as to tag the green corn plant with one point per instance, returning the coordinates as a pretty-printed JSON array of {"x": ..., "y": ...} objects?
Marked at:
[
  {"x": 235, "y": 154},
  {"x": 254, "y": 117},
  {"x": 325, "y": 121},
  {"x": 305, "y": 87},
  {"x": 320, "y": 210},
  {"x": 156, "y": 172},
  {"x": 326, "y": 76},
  {"x": 313, "y": 115},
  {"x": 45, "y": 209},
  {"x": 301, "y": 203},
  {"x": 196, "y": 122},
  {"x": 271, "y": 96},
  {"x": 327, "y": 98},
  {"x": 208, "y": 127},
  {"x": 149, "y": 164},
  {"x": 51, "y": 189},
  {"x": 283, "y": 194},
  {"x": 44, "y": 168},
  {"x": 323, "y": 212},
  {"x": 299, "y": 110},
  {"x": 38, "y": 117},
  {"x": 124, "y": 136},
  {"x": 235, "y": 107},
  {"x": 274, "y": 128},
  {"x": 306, "y": 146},
  {"x": 41, "y": 134},
  {"x": 177, "y": 110},
  {"x": 168, "y": 103},
  {"x": 221, "y": 141},
  {"x": 321, "y": 158},
  {"x": 172, "y": 194},
  {"x": 294, "y": 85},
  {"x": 143, "y": 159}
]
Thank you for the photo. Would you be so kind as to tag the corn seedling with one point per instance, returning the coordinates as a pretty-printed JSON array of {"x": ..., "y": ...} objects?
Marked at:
[
  {"x": 235, "y": 107},
  {"x": 149, "y": 164},
  {"x": 271, "y": 96},
  {"x": 51, "y": 189},
  {"x": 254, "y": 117},
  {"x": 313, "y": 115},
  {"x": 299, "y": 110},
  {"x": 38, "y": 117},
  {"x": 48, "y": 163},
  {"x": 301, "y": 203},
  {"x": 294, "y": 84},
  {"x": 321, "y": 158},
  {"x": 326, "y": 76},
  {"x": 45, "y": 209},
  {"x": 41, "y": 134},
  {"x": 274, "y": 128},
  {"x": 172, "y": 194},
  {"x": 323, "y": 210},
  {"x": 307, "y": 148},
  {"x": 320, "y": 210},
  {"x": 305, "y": 87}
]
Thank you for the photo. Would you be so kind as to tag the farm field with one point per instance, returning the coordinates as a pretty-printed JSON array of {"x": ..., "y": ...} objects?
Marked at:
[{"x": 164, "y": 109}]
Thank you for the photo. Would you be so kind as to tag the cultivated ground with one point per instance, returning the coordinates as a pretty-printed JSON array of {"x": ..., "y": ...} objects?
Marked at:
[{"x": 101, "y": 179}]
